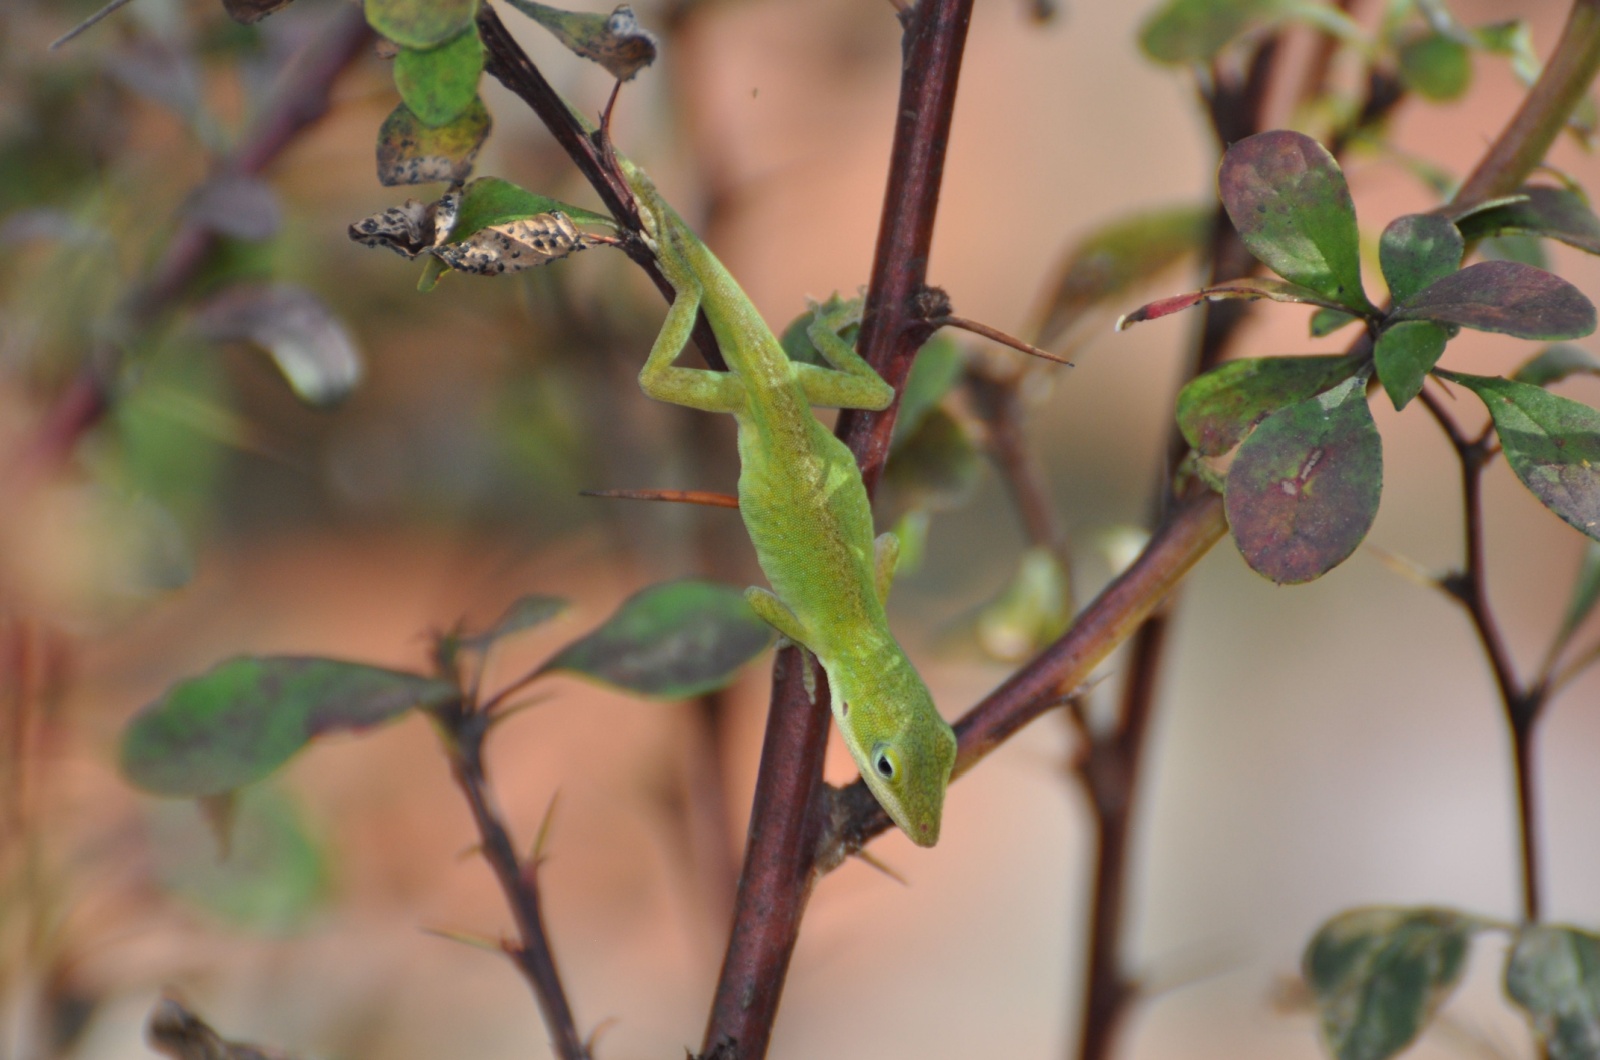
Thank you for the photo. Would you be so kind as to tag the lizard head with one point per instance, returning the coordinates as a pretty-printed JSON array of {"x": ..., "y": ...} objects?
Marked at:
[{"x": 904, "y": 749}]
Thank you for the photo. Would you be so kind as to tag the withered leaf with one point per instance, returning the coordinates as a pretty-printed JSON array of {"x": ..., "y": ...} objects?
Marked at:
[
  {"x": 412, "y": 152},
  {"x": 406, "y": 229},
  {"x": 616, "y": 41},
  {"x": 515, "y": 245}
]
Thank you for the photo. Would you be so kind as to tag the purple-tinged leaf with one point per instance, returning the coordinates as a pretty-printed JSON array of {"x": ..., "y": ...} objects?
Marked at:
[
  {"x": 1552, "y": 444},
  {"x": 1555, "y": 213},
  {"x": 1555, "y": 363},
  {"x": 1249, "y": 290},
  {"x": 615, "y": 41},
  {"x": 1507, "y": 297},
  {"x": 1217, "y": 410},
  {"x": 1291, "y": 206},
  {"x": 1404, "y": 355},
  {"x": 237, "y": 205},
  {"x": 310, "y": 346},
  {"x": 441, "y": 84},
  {"x": 421, "y": 23},
  {"x": 412, "y": 152},
  {"x": 671, "y": 641},
  {"x": 244, "y": 718},
  {"x": 1303, "y": 489},
  {"x": 1553, "y": 975},
  {"x": 1118, "y": 257},
  {"x": 1416, "y": 250},
  {"x": 1379, "y": 974}
]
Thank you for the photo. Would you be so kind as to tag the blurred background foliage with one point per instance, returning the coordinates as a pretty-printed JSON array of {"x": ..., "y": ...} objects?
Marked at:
[{"x": 168, "y": 500}]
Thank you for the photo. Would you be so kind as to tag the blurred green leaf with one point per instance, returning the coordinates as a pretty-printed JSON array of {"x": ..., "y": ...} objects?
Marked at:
[
  {"x": 412, "y": 152},
  {"x": 440, "y": 84},
  {"x": 1217, "y": 410},
  {"x": 1379, "y": 974},
  {"x": 523, "y": 614},
  {"x": 1033, "y": 611},
  {"x": 1553, "y": 974},
  {"x": 1585, "y": 593},
  {"x": 421, "y": 23},
  {"x": 671, "y": 641},
  {"x": 1555, "y": 363},
  {"x": 1194, "y": 31},
  {"x": 934, "y": 373},
  {"x": 1327, "y": 321},
  {"x": 1417, "y": 249},
  {"x": 1303, "y": 489},
  {"x": 796, "y": 341},
  {"x": 1404, "y": 355},
  {"x": 273, "y": 876},
  {"x": 1116, "y": 257},
  {"x": 615, "y": 41},
  {"x": 245, "y": 717},
  {"x": 1552, "y": 444},
  {"x": 936, "y": 467},
  {"x": 1506, "y": 297},
  {"x": 1436, "y": 67},
  {"x": 1291, "y": 206},
  {"x": 1553, "y": 213}
]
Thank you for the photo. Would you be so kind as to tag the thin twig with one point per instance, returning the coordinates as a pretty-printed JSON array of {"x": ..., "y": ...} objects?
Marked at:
[{"x": 464, "y": 729}]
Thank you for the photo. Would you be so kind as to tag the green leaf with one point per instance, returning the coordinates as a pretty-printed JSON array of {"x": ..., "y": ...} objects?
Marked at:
[
  {"x": 1552, "y": 444},
  {"x": 441, "y": 84},
  {"x": 1291, "y": 206},
  {"x": 1032, "y": 612},
  {"x": 523, "y": 614},
  {"x": 615, "y": 41},
  {"x": 1194, "y": 31},
  {"x": 490, "y": 201},
  {"x": 1506, "y": 297},
  {"x": 936, "y": 466},
  {"x": 670, "y": 641},
  {"x": 273, "y": 877},
  {"x": 1404, "y": 355},
  {"x": 1303, "y": 489},
  {"x": 1585, "y": 594},
  {"x": 1554, "y": 213},
  {"x": 1555, "y": 363},
  {"x": 412, "y": 152},
  {"x": 1217, "y": 410},
  {"x": 1416, "y": 250},
  {"x": 421, "y": 23},
  {"x": 934, "y": 373},
  {"x": 1117, "y": 257},
  {"x": 1553, "y": 974},
  {"x": 1436, "y": 67},
  {"x": 1327, "y": 321},
  {"x": 1379, "y": 974},
  {"x": 245, "y": 717}
]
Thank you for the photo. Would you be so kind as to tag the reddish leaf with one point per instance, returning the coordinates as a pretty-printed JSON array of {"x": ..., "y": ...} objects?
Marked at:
[
  {"x": 1507, "y": 297},
  {"x": 1248, "y": 290},
  {"x": 1218, "y": 409},
  {"x": 1555, "y": 213},
  {"x": 1304, "y": 488}
]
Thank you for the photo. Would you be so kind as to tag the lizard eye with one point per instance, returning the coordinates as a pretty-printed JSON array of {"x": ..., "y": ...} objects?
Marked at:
[{"x": 883, "y": 762}]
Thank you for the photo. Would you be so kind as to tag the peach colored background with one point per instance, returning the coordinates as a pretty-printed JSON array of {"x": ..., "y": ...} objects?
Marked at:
[{"x": 1317, "y": 747}]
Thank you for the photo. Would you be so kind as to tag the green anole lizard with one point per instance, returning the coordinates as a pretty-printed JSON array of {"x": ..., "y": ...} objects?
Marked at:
[{"x": 806, "y": 510}]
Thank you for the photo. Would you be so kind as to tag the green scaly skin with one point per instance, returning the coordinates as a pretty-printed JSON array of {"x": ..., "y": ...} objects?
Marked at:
[{"x": 806, "y": 510}]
